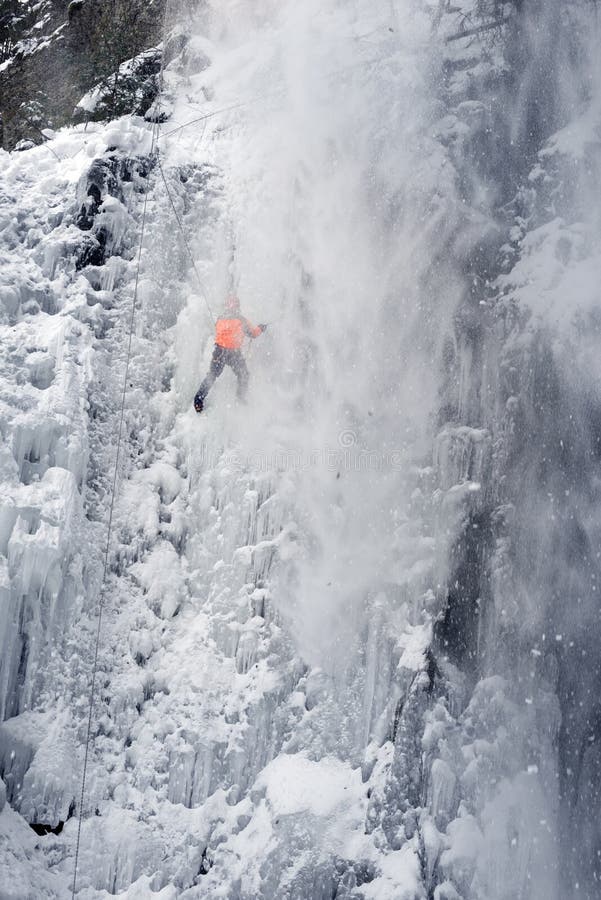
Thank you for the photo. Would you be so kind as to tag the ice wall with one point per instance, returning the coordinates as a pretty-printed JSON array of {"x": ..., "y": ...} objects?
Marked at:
[
  {"x": 284, "y": 563},
  {"x": 57, "y": 328},
  {"x": 337, "y": 656},
  {"x": 466, "y": 528},
  {"x": 528, "y": 383}
]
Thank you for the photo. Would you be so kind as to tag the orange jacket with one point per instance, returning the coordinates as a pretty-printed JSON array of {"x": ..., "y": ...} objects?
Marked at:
[{"x": 230, "y": 331}]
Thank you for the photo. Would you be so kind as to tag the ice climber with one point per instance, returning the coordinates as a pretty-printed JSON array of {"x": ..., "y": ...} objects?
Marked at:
[{"x": 230, "y": 330}]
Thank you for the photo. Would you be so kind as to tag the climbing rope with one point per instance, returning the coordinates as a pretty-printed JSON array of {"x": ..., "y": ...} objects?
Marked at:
[
  {"x": 278, "y": 92},
  {"x": 105, "y": 568},
  {"x": 185, "y": 240},
  {"x": 154, "y": 154},
  {"x": 108, "y": 544}
]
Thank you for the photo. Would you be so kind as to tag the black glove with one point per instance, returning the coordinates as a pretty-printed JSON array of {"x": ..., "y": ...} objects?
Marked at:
[{"x": 263, "y": 327}]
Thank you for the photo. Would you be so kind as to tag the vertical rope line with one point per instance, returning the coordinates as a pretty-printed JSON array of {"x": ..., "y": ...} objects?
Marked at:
[
  {"x": 109, "y": 533},
  {"x": 186, "y": 243},
  {"x": 153, "y": 144}
]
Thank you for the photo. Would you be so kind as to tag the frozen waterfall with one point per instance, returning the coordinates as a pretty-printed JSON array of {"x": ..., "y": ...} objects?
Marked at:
[{"x": 349, "y": 645}]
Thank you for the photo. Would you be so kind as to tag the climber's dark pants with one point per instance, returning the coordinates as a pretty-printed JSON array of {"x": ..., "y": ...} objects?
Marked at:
[{"x": 223, "y": 357}]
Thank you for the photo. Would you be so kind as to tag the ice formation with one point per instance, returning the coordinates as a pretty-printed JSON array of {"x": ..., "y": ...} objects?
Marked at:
[{"x": 349, "y": 631}]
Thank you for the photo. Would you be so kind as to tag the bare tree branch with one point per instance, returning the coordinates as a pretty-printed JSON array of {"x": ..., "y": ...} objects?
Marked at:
[{"x": 478, "y": 29}]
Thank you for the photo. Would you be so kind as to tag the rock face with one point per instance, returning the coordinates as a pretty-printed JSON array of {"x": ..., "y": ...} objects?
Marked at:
[{"x": 54, "y": 51}]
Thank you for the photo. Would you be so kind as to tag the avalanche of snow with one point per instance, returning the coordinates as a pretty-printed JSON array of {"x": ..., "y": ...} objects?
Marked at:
[{"x": 270, "y": 718}]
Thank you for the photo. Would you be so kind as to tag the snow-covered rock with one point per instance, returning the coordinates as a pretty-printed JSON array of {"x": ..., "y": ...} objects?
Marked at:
[{"x": 341, "y": 624}]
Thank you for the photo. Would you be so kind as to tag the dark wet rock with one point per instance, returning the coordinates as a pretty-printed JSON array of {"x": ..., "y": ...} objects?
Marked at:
[{"x": 56, "y": 51}]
